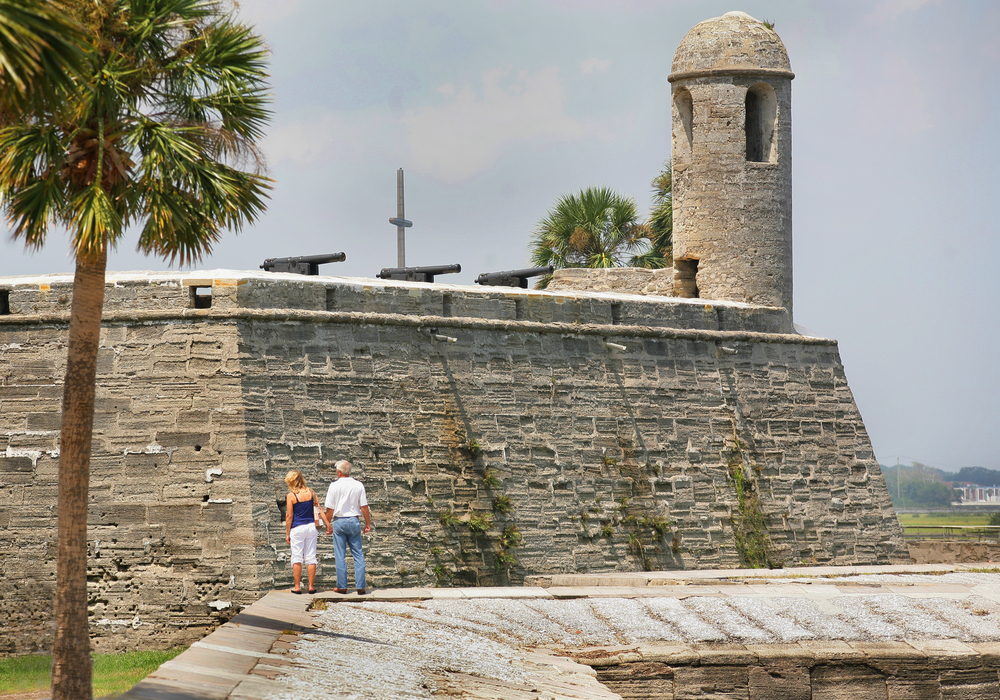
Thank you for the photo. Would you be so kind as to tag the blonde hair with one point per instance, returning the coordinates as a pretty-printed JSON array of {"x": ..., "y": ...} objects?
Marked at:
[{"x": 295, "y": 480}]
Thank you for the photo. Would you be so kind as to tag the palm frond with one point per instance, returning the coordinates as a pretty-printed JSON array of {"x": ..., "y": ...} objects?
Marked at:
[
  {"x": 661, "y": 218},
  {"x": 40, "y": 56},
  {"x": 26, "y": 151},
  {"x": 94, "y": 220},
  {"x": 177, "y": 228},
  {"x": 220, "y": 74},
  {"x": 31, "y": 210},
  {"x": 650, "y": 260}
]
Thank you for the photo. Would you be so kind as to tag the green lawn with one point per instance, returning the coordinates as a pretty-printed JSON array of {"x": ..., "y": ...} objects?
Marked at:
[
  {"x": 113, "y": 673},
  {"x": 948, "y": 519}
]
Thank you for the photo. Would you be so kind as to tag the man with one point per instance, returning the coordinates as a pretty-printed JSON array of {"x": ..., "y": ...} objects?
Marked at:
[{"x": 346, "y": 501}]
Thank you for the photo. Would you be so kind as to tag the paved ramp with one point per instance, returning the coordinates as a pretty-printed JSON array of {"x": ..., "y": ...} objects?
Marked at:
[{"x": 930, "y": 631}]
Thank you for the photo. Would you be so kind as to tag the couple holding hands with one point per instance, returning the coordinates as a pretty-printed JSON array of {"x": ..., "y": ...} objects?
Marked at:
[{"x": 346, "y": 502}]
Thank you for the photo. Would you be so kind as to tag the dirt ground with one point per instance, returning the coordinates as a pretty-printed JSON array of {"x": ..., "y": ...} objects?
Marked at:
[{"x": 952, "y": 552}]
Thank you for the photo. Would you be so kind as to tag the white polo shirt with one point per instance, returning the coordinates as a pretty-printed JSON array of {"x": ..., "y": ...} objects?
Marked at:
[{"x": 345, "y": 497}]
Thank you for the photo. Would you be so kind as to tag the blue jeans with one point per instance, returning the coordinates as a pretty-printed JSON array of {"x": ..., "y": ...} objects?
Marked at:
[{"x": 347, "y": 533}]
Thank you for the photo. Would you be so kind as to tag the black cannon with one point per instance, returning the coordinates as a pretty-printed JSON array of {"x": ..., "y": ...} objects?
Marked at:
[
  {"x": 512, "y": 278},
  {"x": 303, "y": 264},
  {"x": 417, "y": 274}
]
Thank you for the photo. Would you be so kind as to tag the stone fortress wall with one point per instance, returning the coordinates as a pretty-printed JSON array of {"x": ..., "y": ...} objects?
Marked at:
[
  {"x": 504, "y": 435},
  {"x": 716, "y": 438}
]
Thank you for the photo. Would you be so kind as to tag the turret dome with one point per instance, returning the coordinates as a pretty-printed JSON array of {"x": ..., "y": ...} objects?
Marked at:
[{"x": 733, "y": 44}]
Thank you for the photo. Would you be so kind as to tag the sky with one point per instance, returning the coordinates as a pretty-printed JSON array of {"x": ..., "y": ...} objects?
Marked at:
[{"x": 496, "y": 108}]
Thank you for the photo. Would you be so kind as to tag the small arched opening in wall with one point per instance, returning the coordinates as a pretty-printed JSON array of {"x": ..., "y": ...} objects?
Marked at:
[
  {"x": 686, "y": 278},
  {"x": 761, "y": 120},
  {"x": 684, "y": 105}
]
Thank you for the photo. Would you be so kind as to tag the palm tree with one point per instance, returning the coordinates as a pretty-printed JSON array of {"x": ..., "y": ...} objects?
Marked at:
[
  {"x": 597, "y": 228},
  {"x": 39, "y": 56},
  {"x": 159, "y": 132},
  {"x": 661, "y": 222}
]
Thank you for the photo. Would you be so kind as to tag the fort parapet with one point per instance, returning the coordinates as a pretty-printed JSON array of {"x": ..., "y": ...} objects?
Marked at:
[{"x": 530, "y": 446}]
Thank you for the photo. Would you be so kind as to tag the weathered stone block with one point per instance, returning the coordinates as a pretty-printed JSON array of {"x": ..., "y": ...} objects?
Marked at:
[
  {"x": 848, "y": 682},
  {"x": 169, "y": 439},
  {"x": 779, "y": 683},
  {"x": 907, "y": 688},
  {"x": 714, "y": 682},
  {"x": 15, "y": 465},
  {"x": 969, "y": 684}
]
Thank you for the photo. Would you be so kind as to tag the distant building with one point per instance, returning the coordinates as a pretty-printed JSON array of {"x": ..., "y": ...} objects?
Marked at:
[{"x": 974, "y": 493}]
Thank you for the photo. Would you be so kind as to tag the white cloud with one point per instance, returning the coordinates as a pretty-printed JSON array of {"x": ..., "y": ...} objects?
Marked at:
[
  {"x": 471, "y": 131},
  {"x": 336, "y": 137},
  {"x": 593, "y": 65},
  {"x": 888, "y": 10},
  {"x": 466, "y": 131}
]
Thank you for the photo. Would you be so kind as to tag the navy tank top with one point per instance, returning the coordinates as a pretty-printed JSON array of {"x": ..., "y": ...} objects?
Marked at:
[{"x": 302, "y": 512}]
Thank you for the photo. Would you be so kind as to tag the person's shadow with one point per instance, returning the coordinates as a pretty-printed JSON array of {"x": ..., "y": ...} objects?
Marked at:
[{"x": 248, "y": 620}]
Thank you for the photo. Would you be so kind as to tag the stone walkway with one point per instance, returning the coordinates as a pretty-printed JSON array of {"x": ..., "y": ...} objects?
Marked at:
[{"x": 672, "y": 634}]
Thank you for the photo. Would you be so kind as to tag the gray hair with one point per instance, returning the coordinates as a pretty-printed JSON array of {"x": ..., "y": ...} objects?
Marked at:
[{"x": 344, "y": 467}]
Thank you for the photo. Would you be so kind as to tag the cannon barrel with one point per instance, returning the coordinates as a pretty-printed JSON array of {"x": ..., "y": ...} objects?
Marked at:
[
  {"x": 302, "y": 264},
  {"x": 513, "y": 278},
  {"x": 417, "y": 274}
]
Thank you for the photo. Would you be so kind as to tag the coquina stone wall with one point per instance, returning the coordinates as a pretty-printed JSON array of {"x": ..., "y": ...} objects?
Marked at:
[
  {"x": 828, "y": 670},
  {"x": 559, "y": 432},
  {"x": 621, "y": 280}
]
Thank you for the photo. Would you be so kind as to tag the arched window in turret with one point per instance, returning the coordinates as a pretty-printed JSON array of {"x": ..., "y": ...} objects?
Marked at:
[
  {"x": 685, "y": 113},
  {"x": 761, "y": 121}
]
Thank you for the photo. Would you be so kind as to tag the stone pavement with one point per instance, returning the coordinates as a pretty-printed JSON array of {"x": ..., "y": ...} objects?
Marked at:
[{"x": 820, "y": 632}]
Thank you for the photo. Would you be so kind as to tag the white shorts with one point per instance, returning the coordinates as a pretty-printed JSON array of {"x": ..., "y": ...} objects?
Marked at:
[{"x": 303, "y": 540}]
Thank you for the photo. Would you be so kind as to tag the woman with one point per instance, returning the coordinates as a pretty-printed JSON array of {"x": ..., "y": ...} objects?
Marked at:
[{"x": 301, "y": 504}]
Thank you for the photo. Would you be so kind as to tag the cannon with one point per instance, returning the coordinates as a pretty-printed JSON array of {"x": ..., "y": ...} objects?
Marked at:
[
  {"x": 513, "y": 278},
  {"x": 417, "y": 274},
  {"x": 302, "y": 265}
]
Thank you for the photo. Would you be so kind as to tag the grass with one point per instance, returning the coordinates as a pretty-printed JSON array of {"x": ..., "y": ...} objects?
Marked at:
[
  {"x": 449, "y": 518},
  {"x": 943, "y": 519},
  {"x": 492, "y": 480},
  {"x": 113, "y": 673},
  {"x": 22, "y": 674},
  {"x": 503, "y": 504},
  {"x": 480, "y": 522}
]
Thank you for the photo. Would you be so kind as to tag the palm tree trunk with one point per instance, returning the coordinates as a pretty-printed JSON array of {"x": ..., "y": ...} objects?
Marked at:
[{"x": 71, "y": 662}]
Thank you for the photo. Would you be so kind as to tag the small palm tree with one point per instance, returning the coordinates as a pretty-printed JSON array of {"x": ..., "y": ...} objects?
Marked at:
[
  {"x": 596, "y": 228},
  {"x": 661, "y": 222},
  {"x": 159, "y": 131}
]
